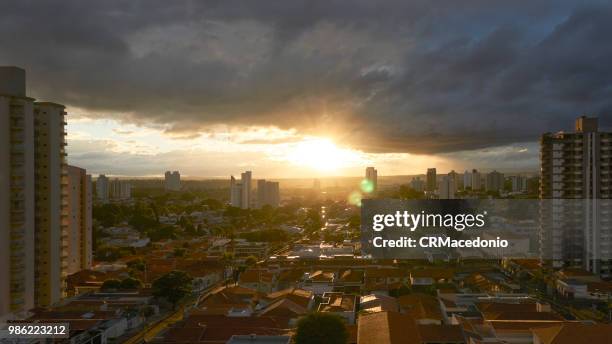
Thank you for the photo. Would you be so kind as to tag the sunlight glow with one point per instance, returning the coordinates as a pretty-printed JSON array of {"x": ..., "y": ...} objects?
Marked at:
[{"x": 323, "y": 155}]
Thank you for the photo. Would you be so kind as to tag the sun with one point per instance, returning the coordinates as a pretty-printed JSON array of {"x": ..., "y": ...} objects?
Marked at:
[{"x": 323, "y": 155}]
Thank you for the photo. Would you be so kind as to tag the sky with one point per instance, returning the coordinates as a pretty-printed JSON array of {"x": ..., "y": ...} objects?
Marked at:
[{"x": 312, "y": 88}]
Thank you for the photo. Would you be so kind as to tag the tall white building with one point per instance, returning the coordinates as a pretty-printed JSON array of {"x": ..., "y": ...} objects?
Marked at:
[
  {"x": 51, "y": 216},
  {"x": 519, "y": 183},
  {"x": 371, "y": 175},
  {"x": 454, "y": 176},
  {"x": 240, "y": 192},
  {"x": 476, "y": 182},
  {"x": 494, "y": 181},
  {"x": 246, "y": 180},
  {"x": 172, "y": 181},
  {"x": 80, "y": 227},
  {"x": 235, "y": 193},
  {"x": 417, "y": 184},
  {"x": 120, "y": 189},
  {"x": 34, "y": 218},
  {"x": 17, "y": 204},
  {"x": 446, "y": 189},
  {"x": 268, "y": 193},
  {"x": 102, "y": 188},
  {"x": 467, "y": 179},
  {"x": 576, "y": 179},
  {"x": 432, "y": 181}
]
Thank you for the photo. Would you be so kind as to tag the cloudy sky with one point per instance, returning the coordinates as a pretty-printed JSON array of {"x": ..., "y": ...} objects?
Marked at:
[{"x": 301, "y": 88}]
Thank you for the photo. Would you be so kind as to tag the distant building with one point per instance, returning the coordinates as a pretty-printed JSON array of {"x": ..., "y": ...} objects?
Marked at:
[
  {"x": 172, "y": 181},
  {"x": 120, "y": 189},
  {"x": 454, "y": 176},
  {"x": 246, "y": 180},
  {"x": 268, "y": 193},
  {"x": 431, "y": 179},
  {"x": 447, "y": 188},
  {"x": 235, "y": 193},
  {"x": 417, "y": 184},
  {"x": 494, "y": 181},
  {"x": 80, "y": 221},
  {"x": 371, "y": 175},
  {"x": 240, "y": 192},
  {"x": 102, "y": 191},
  {"x": 467, "y": 179},
  {"x": 519, "y": 183},
  {"x": 476, "y": 180}
]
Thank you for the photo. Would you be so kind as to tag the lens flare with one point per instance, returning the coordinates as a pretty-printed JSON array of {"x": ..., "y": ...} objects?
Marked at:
[
  {"x": 355, "y": 198},
  {"x": 367, "y": 186}
]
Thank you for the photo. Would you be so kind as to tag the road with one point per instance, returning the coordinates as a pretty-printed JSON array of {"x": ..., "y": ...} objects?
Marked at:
[{"x": 148, "y": 333}]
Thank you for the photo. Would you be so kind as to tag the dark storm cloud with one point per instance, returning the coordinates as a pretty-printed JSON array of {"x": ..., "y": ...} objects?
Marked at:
[{"x": 393, "y": 76}]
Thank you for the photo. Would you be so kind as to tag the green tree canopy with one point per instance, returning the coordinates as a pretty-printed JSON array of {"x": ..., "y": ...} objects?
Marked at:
[
  {"x": 173, "y": 286},
  {"x": 131, "y": 283},
  {"x": 321, "y": 328}
]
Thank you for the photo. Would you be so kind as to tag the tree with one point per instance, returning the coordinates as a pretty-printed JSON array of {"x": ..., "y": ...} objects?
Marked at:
[
  {"x": 131, "y": 283},
  {"x": 173, "y": 286},
  {"x": 250, "y": 260},
  {"x": 111, "y": 284},
  {"x": 321, "y": 328}
]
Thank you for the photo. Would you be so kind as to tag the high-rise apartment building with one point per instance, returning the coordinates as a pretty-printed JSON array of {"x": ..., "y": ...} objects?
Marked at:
[
  {"x": 268, "y": 193},
  {"x": 34, "y": 199},
  {"x": 576, "y": 179},
  {"x": 417, "y": 184},
  {"x": 235, "y": 193},
  {"x": 476, "y": 180},
  {"x": 172, "y": 181},
  {"x": 454, "y": 176},
  {"x": 447, "y": 187},
  {"x": 102, "y": 188},
  {"x": 519, "y": 183},
  {"x": 120, "y": 189},
  {"x": 240, "y": 192},
  {"x": 494, "y": 181},
  {"x": 432, "y": 182},
  {"x": 80, "y": 221},
  {"x": 371, "y": 175},
  {"x": 17, "y": 197},
  {"x": 245, "y": 193},
  {"x": 51, "y": 214},
  {"x": 467, "y": 179}
]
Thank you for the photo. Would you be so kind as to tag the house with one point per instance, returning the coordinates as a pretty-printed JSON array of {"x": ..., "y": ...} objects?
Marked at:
[
  {"x": 230, "y": 300},
  {"x": 219, "y": 329},
  {"x": 286, "y": 306},
  {"x": 431, "y": 276},
  {"x": 572, "y": 288},
  {"x": 398, "y": 328},
  {"x": 387, "y": 328},
  {"x": 319, "y": 282},
  {"x": 425, "y": 309},
  {"x": 378, "y": 303},
  {"x": 258, "y": 279},
  {"x": 573, "y": 333},
  {"x": 350, "y": 280},
  {"x": 381, "y": 281},
  {"x": 343, "y": 305},
  {"x": 516, "y": 311}
]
